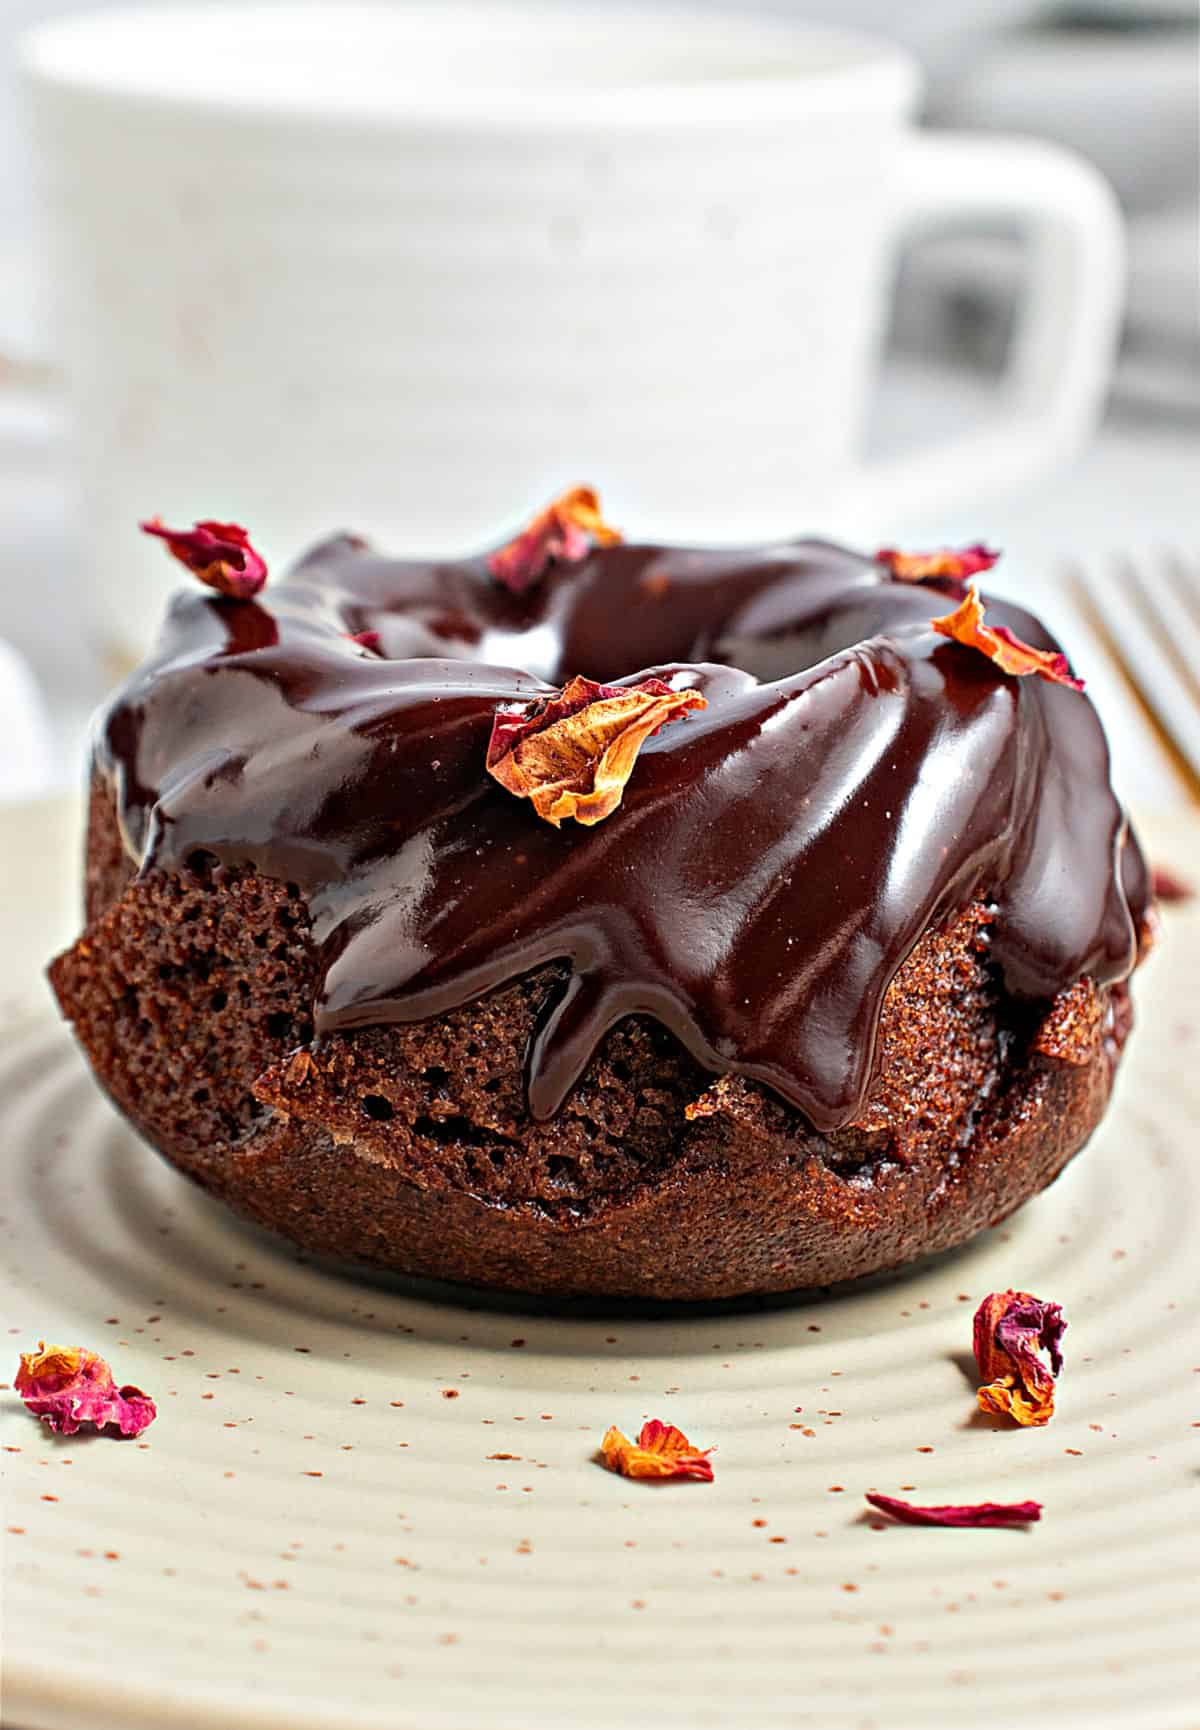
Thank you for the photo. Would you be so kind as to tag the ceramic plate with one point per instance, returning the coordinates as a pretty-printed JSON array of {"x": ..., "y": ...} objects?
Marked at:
[{"x": 369, "y": 1505}]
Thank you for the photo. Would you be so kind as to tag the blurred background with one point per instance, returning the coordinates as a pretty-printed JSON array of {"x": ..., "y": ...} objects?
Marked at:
[{"x": 1115, "y": 79}]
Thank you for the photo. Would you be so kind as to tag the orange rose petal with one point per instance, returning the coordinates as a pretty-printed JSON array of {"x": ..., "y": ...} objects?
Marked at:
[
  {"x": 219, "y": 554},
  {"x": 69, "y": 1386},
  {"x": 661, "y": 1451},
  {"x": 1007, "y": 1398},
  {"x": 958, "y": 562},
  {"x": 572, "y": 754},
  {"x": 966, "y": 625},
  {"x": 1010, "y": 1328},
  {"x": 565, "y": 531}
]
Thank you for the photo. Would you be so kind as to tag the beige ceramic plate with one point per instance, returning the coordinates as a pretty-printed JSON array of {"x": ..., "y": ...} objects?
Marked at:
[{"x": 365, "y": 1506}]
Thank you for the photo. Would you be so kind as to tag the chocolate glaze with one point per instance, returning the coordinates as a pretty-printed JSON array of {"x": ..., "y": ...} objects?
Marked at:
[{"x": 854, "y": 780}]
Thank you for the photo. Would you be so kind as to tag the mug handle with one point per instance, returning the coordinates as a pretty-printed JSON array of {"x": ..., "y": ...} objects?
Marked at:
[{"x": 1068, "y": 321}]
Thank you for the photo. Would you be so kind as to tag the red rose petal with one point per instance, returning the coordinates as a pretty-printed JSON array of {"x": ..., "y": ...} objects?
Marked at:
[
  {"x": 1010, "y": 1328},
  {"x": 69, "y": 1386},
  {"x": 219, "y": 554},
  {"x": 958, "y": 1513},
  {"x": 966, "y": 625},
  {"x": 955, "y": 564},
  {"x": 564, "y": 532},
  {"x": 661, "y": 1451},
  {"x": 572, "y": 754},
  {"x": 1166, "y": 886}
]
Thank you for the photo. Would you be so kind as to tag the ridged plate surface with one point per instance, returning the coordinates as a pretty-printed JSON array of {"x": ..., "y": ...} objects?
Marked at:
[{"x": 364, "y": 1505}]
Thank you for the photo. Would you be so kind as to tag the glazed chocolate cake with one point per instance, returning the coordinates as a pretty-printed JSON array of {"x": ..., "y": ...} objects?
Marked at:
[{"x": 836, "y": 978}]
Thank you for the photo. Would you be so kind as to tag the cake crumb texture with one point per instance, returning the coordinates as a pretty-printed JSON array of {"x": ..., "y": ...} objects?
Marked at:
[{"x": 410, "y": 1146}]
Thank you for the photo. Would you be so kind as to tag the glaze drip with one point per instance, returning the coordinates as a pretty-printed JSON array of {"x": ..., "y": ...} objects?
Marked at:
[{"x": 855, "y": 780}]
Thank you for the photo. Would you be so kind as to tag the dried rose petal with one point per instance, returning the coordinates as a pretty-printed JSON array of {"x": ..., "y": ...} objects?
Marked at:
[
  {"x": 661, "y": 1451},
  {"x": 1011, "y": 1327},
  {"x": 965, "y": 625},
  {"x": 572, "y": 754},
  {"x": 958, "y": 1513},
  {"x": 1166, "y": 886},
  {"x": 68, "y": 1386},
  {"x": 956, "y": 563},
  {"x": 364, "y": 639},
  {"x": 566, "y": 530},
  {"x": 219, "y": 554}
]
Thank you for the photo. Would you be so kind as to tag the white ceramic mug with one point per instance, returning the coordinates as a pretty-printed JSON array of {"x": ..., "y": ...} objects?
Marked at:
[{"x": 413, "y": 268}]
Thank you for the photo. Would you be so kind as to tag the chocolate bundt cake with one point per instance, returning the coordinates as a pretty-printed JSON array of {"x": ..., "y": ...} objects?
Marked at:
[{"x": 755, "y": 932}]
